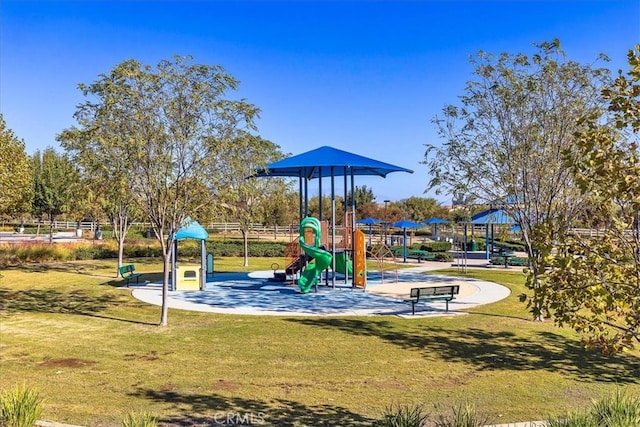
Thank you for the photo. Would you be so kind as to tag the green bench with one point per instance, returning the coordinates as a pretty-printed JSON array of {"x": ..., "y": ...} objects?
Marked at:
[
  {"x": 128, "y": 273},
  {"x": 433, "y": 293},
  {"x": 414, "y": 254},
  {"x": 508, "y": 260}
]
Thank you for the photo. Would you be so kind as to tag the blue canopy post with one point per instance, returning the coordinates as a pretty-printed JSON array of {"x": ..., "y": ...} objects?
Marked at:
[
  {"x": 369, "y": 221},
  {"x": 404, "y": 224}
]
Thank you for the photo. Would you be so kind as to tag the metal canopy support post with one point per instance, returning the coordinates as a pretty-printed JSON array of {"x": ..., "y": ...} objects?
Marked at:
[
  {"x": 333, "y": 228},
  {"x": 306, "y": 198},
  {"x": 344, "y": 223},
  {"x": 203, "y": 265},
  {"x": 300, "y": 199},
  {"x": 486, "y": 242},
  {"x": 320, "y": 195}
]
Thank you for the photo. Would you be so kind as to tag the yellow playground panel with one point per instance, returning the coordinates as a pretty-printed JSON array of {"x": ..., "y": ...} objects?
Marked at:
[
  {"x": 360, "y": 261},
  {"x": 187, "y": 277}
]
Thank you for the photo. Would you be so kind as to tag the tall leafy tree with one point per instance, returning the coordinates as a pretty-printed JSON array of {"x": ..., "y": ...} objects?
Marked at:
[
  {"x": 595, "y": 284},
  {"x": 55, "y": 177},
  {"x": 363, "y": 196},
  {"x": 506, "y": 144},
  {"x": 99, "y": 145},
  {"x": 16, "y": 181},
  {"x": 170, "y": 122},
  {"x": 421, "y": 208},
  {"x": 281, "y": 208},
  {"x": 242, "y": 196}
]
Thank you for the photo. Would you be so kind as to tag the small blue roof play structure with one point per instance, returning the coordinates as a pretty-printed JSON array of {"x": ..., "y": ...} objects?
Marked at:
[
  {"x": 190, "y": 230},
  {"x": 492, "y": 216}
]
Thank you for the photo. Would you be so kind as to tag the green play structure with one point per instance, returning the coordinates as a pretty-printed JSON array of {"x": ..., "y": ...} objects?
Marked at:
[
  {"x": 343, "y": 263},
  {"x": 310, "y": 243}
]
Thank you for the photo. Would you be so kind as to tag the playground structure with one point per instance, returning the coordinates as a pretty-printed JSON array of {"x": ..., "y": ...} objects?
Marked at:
[
  {"x": 330, "y": 163},
  {"x": 311, "y": 253},
  {"x": 190, "y": 277}
]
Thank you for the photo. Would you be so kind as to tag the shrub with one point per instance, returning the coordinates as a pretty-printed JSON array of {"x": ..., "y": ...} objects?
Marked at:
[
  {"x": 143, "y": 419},
  {"x": 403, "y": 416},
  {"x": 443, "y": 257},
  {"x": 462, "y": 416},
  {"x": 436, "y": 246},
  {"x": 618, "y": 410},
  {"x": 20, "y": 407}
]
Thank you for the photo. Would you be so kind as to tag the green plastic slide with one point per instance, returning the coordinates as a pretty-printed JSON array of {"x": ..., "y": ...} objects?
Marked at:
[{"x": 321, "y": 259}]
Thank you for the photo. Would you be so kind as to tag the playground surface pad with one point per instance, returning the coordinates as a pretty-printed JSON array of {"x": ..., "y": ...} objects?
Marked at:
[{"x": 255, "y": 294}]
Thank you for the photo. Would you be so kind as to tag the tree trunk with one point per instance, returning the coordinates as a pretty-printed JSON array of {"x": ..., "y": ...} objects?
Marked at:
[
  {"x": 51, "y": 229},
  {"x": 245, "y": 240},
  {"x": 166, "y": 259}
]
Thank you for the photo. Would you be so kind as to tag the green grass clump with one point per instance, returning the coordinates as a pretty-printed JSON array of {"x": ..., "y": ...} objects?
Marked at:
[
  {"x": 407, "y": 415},
  {"x": 617, "y": 410},
  {"x": 462, "y": 416},
  {"x": 20, "y": 407},
  {"x": 143, "y": 419}
]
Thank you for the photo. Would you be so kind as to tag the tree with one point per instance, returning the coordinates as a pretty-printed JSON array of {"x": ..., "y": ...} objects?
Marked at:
[
  {"x": 420, "y": 208},
  {"x": 595, "y": 284},
  {"x": 364, "y": 195},
  {"x": 168, "y": 123},
  {"x": 506, "y": 145},
  {"x": 99, "y": 146},
  {"x": 241, "y": 196},
  {"x": 54, "y": 179},
  {"x": 16, "y": 181}
]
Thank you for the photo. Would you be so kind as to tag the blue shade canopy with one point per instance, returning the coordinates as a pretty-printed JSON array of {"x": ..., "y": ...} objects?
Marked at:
[
  {"x": 406, "y": 224},
  {"x": 191, "y": 230},
  {"x": 436, "y": 220},
  {"x": 492, "y": 216},
  {"x": 325, "y": 161},
  {"x": 369, "y": 221}
]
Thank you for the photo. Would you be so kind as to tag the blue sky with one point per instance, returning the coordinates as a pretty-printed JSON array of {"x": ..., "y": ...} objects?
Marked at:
[{"x": 361, "y": 76}]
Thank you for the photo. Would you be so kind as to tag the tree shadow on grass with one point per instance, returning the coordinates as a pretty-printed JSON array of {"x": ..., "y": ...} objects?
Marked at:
[
  {"x": 214, "y": 409},
  {"x": 68, "y": 267},
  {"x": 495, "y": 350},
  {"x": 74, "y": 302}
]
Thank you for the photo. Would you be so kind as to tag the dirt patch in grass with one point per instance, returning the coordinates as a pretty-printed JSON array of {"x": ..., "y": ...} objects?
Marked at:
[
  {"x": 150, "y": 357},
  {"x": 66, "y": 363},
  {"x": 223, "y": 385}
]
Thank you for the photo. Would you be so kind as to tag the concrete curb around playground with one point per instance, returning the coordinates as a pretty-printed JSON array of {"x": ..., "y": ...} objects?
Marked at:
[{"x": 254, "y": 294}]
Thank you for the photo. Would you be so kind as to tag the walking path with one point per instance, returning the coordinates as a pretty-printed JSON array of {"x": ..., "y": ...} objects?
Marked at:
[{"x": 254, "y": 294}]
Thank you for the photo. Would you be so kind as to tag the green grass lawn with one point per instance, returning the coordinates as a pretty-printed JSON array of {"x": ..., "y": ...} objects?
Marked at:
[{"x": 95, "y": 353}]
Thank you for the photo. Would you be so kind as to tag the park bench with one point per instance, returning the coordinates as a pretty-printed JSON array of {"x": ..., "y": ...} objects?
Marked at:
[
  {"x": 433, "y": 293},
  {"x": 508, "y": 260},
  {"x": 420, "y": 255},
  {"x": 128, "y": 273},
  {"x": 414, "y": 254}
]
